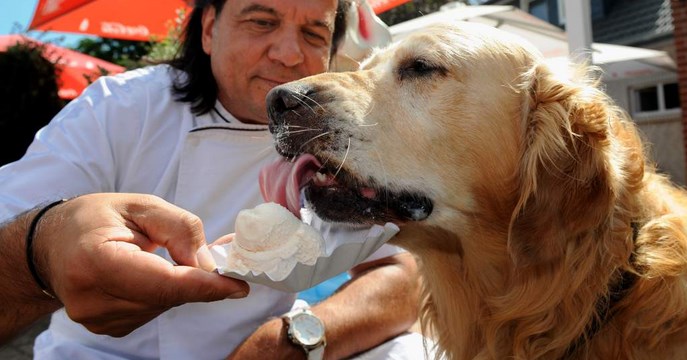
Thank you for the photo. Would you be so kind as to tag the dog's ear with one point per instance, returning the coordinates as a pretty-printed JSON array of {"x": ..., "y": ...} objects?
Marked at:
[{"x": 565, "y": 175}]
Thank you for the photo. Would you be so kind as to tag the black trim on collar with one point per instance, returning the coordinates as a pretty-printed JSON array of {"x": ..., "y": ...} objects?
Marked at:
[
  {"x": 221, "y": 116},
  {"x": 226, "y": 128}
]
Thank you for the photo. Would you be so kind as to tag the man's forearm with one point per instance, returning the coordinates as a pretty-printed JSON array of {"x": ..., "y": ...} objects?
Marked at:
[
  {"x": 22, "y": 300},
  {"x": 379, "y": 303}
]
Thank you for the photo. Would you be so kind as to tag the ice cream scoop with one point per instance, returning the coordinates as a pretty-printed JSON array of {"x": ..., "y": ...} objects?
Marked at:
[{"x": 270, "y": 239}]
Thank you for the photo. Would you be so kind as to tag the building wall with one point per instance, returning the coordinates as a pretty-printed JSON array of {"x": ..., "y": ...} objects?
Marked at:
[
  {"x": 665, "y": 144},
  {"x": 679, "y": 9},
  {"x": 662, "y": 132}
]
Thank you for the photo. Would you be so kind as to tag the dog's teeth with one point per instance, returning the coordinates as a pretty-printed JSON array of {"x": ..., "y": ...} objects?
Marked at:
[{"x": 320, "y": 177}]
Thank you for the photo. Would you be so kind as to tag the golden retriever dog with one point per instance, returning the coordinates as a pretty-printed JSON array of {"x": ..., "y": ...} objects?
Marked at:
[{"x": 542, "y": 229}]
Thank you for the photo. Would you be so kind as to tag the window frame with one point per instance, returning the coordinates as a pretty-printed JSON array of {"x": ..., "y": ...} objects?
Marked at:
[{"x": 634, "y": 101}]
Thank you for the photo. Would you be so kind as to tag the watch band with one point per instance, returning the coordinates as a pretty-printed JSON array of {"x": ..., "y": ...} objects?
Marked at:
[{"x": 316, "y": 353}]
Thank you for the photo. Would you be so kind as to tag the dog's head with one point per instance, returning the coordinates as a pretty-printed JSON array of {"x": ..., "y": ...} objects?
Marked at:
[{"x": 461, "y": 127}]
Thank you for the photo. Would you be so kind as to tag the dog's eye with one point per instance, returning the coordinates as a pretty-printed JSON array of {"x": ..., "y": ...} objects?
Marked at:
[{"x": 417, "y": 68}]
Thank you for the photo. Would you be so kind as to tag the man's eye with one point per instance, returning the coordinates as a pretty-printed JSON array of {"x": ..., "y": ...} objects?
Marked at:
[
  {"x": 313, "y": 35},
  {"x": 418, "y": 68},
  {"x": 315, "y": 38},
  {"x": 262, "y": 23}
]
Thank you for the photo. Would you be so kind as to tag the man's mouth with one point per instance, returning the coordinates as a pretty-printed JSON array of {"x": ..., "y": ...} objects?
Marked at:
[
  {"x": 276, "y": 80},
  {"x": 272, "y": 83}
]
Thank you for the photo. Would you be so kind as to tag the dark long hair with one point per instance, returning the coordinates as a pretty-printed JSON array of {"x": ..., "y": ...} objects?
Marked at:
[{"x": 198, "y": 86}]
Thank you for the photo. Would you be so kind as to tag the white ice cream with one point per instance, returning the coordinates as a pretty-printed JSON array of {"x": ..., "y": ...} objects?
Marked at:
[{"x": 270, "y": 239}]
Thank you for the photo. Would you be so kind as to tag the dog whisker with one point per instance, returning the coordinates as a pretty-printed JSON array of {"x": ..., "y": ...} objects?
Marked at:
[
  {"x": 292, "y": 158},
  {"x": 326, "y": 161},
  {"x": 316, "y": 103},
  {"x": 313, "y": 138},
  {"x": 303, "y": 130},
  {"x": 348, "y": 148},
  {"x": 300, "y": 100}
]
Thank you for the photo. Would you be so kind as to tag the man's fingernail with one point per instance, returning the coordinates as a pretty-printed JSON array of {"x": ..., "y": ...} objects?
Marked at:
[
  {"x": 205, "y": 259},
  {"x": 238, "y": 295}
]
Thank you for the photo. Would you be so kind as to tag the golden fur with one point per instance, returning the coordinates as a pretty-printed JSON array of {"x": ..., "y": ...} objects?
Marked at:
[{"x": 537, "y": 180}]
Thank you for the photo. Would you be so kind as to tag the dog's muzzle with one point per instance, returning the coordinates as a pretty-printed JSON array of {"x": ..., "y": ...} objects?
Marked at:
[{"x": 300, "y": 123}]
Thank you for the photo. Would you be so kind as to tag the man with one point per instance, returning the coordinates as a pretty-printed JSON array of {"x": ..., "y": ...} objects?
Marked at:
[{"x": 199, "y": 147}]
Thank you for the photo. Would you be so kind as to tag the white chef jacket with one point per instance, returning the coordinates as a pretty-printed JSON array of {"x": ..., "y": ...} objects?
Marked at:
[{"x": 126, "y": 133}]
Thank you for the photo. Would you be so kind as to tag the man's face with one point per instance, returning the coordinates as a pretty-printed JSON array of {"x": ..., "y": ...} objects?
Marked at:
[{"x": 255, "y": 45}]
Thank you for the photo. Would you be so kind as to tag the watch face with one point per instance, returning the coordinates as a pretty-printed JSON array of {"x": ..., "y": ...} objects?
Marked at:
[{"x": 308, "y": 329}]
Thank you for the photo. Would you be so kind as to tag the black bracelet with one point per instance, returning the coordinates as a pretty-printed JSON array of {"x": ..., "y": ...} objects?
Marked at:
[{"x": 29, "y": 246}]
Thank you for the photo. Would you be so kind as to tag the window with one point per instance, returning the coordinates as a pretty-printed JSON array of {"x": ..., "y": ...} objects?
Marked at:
[
  {"x": 672, "y": 95},
  {"x": 546, "y": 10},
  {"x": 661, "y": 97},
  {"x": 647, "y": 99},
  {"x": 553, "y": 11},
  {"x": 598, "y": 9}
]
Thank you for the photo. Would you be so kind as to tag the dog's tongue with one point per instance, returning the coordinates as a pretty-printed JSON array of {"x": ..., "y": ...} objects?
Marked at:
[{"x": 281, "y": 181}]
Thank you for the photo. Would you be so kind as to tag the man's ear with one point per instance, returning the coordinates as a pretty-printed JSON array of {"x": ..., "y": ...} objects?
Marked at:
[
  {"x": 208, "y": 22},
  {"x": 565, "y": 178}
]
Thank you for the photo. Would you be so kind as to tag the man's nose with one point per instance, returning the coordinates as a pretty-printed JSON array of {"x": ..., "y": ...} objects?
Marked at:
[{"x": 286, "y": 48}]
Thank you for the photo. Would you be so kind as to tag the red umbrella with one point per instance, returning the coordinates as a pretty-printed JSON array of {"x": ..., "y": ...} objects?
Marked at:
[
  {"x": 74, "y": 68},
  {"x": 121, "y": 19},
  {"x": 380, "y": 6},
  {"x": 126, "y": 19}
]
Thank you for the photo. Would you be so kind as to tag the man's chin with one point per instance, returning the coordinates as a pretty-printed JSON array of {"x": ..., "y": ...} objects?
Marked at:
[
  {"x": 255, "y": 120},
  {"x": 252, "y": 113}
]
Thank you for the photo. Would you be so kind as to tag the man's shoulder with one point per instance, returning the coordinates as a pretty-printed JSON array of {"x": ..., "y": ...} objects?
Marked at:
[
  {"x": 150, "y": 78},
  {"x": 142, "y": 96},
  {"x": 151, "y": 85}
]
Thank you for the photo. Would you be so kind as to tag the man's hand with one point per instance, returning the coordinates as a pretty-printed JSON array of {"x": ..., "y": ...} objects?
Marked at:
[{"x": 94, "y": 252}]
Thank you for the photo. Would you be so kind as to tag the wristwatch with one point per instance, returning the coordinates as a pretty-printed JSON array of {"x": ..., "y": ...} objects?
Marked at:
[{"x": 306, "y": 330}]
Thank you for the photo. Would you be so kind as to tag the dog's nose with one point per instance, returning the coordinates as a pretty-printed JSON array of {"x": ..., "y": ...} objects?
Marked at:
[
  {"x": 286, "y": 98},
  {"x": 292, "y": 107},
  {"x": 281, "y": 99}
]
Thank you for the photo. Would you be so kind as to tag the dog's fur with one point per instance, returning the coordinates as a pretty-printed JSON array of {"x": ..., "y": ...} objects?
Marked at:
[{"x": 551, "y": 234}]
